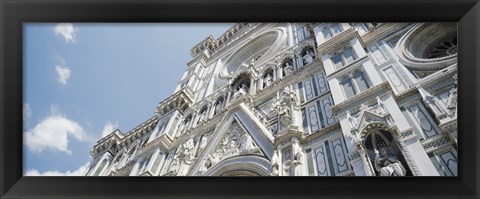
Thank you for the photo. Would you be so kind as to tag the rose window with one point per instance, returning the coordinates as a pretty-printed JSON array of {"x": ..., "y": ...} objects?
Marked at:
[{"x": 443, "y": 48}]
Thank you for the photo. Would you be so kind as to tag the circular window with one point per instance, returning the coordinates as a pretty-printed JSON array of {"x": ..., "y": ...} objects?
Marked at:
[
  {"x": 429, "y": 46},
  {"x": 256, "y": 51}
]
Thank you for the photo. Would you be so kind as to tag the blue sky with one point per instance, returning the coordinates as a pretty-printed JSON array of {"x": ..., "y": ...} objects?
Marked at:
[{"x": 84, "y": 80}]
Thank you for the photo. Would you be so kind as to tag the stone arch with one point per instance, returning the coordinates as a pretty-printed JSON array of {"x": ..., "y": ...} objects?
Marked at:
[
  {"x": 240, "y": 85},
  {"x": 243, "y": 165},
  {"x": 260, "y": 48},
  {"x": 384, "y": 142},
  {"x": 428, "y": 47}
]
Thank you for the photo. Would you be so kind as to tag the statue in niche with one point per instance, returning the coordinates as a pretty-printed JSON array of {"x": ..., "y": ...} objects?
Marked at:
[
  {"x": 308, "y": 57},
  {"x": 202, "y": 117},
  {"x": 203, "y": 143},
  {"x": 213, "y": 158},
  {"x": 252, "y": 62},
  {"x": 218, "y": 106},
  {"x": 187, "y": 157},
  {"x": 275, "y": 164},
  {"x": 174, "y": 165},
  {"x": 284, "y": 106},
  {"x": 288, "y": 68},
  {"x": 268, "y": 80},
  {"x": 242, "y": 90},
  {"x": 388, "y": 165},
  {"x": 452, "y": 99}
]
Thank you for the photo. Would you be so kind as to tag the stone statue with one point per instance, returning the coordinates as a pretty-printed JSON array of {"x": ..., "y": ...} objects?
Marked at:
[
  {"x": 187, "y": 157},
  {"x": 268, "y": 80},
  {"x": 174, "y": 165},
  {"x": 308, "y": 57},
  {"x": 230, "y": 148},
  {"x": 202, "y": 115},
  {"x": 247, "y": 143},
  {"x": 218, "y": 106},
  {"x": 284, "y": 106},
  {"x": 242, "y": 90},
  {"x": 288, "y": 69},
  {"x": 452, "y": 99},
  {"x": 203, "y": 143},
  {"x": 287, "y": 166},
  {"x": 275, "y": 164},
  {"x": 213, "y": 158},
  {"x": 388, "y": 165},
  {"x": 252, "y": 62}
]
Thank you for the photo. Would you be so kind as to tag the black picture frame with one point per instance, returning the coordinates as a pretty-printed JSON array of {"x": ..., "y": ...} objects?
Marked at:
[{"x": 14, "y": 13}]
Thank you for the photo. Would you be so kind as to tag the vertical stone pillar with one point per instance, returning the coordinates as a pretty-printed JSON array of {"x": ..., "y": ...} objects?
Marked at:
[
  {"x": 408, "y": 157},
  {"x": 366, "y": 160}
]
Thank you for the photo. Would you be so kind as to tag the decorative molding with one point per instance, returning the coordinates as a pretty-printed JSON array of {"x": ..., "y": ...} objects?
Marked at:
[
  {"x": 338, "y": 41},
  {"x": 367, "y": 95},
  {"x": 380, "y": 32}
]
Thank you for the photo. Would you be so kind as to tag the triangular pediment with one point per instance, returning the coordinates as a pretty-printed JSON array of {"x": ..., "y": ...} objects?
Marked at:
[
  {"x": 368, "y": 117},
  {"x": 239, "y": 134}
]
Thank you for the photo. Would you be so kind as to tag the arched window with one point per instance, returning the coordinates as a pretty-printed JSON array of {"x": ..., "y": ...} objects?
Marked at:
[
  {"x": 331, "y": 30},
  {"x": 343, "y": 58},
  {"x": 362, "y": 28},
  {"x": 354, "y": 83}
]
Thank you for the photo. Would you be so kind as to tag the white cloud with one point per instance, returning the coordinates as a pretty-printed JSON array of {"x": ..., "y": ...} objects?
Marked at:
[
  {"x": 67, "y": 31},
  {"x": 79, "y": 172},
  {"x": 27, "y": 113},
  {"x": 63, "y": 73},
  {"x": 109, "y": 127},
  {"x": 53, "y": 133}
]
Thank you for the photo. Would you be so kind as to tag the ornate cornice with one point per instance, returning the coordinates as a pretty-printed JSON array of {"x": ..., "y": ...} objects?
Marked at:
[
  {"x": 252, "y": 31},
  {"x": 180, "y": 100},
  {"x": 323, "y": 133},
  {"x": 366, "y": 95},
  {"x": 380, "y": 32},
  {"x": 118, "y": 139},
  {"x": 337, "y": 41},
  {"x": 297, "y": 75}
]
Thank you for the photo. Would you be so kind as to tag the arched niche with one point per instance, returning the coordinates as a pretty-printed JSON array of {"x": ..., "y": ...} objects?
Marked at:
[
  {"x": 244, "y": 165},
  {"x": 382, "y": 149},
  {"x": 287, "y": 66},
  {"x": 240, "y": 86},
  {"x": 268, "y": 77},
  {"x": 308, "y": 55}
]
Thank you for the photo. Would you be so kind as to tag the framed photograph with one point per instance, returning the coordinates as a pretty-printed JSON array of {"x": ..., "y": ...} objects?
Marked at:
[{"x": 306, "y": 99}]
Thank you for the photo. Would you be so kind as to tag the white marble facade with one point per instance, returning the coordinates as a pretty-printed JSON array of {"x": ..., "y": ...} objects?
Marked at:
[{"x": 295, "y": 99}]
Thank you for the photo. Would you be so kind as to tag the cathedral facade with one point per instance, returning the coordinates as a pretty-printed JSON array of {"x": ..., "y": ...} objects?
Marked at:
[{"x": 302, "y": 99}]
